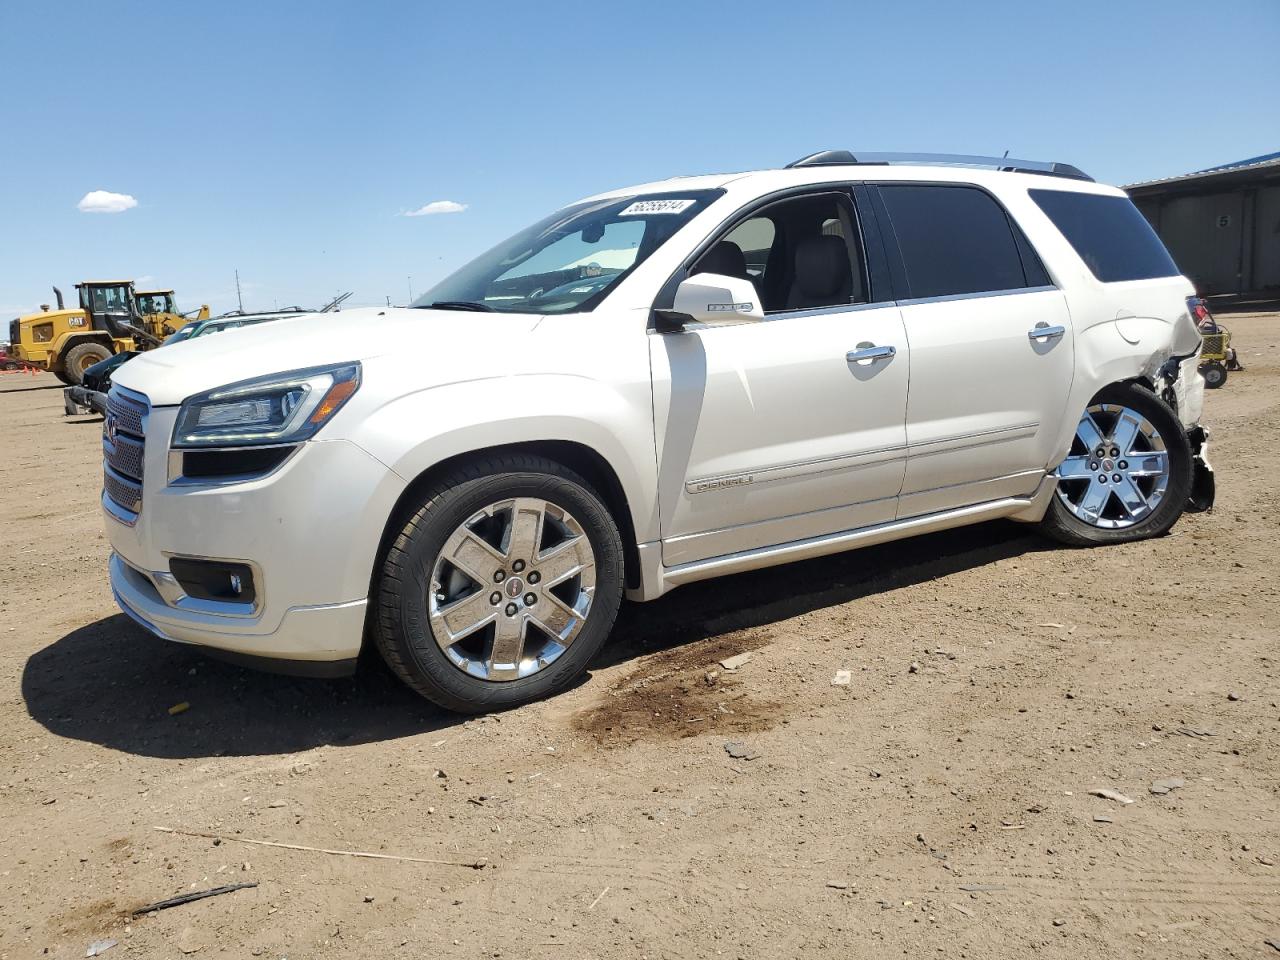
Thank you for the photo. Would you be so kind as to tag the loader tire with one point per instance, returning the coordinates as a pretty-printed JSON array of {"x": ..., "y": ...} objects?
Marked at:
[{"x": 80, "y": 358}]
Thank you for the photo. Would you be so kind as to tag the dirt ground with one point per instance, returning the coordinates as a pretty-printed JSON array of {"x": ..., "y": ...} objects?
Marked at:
[{"x": 938, "y": 803}]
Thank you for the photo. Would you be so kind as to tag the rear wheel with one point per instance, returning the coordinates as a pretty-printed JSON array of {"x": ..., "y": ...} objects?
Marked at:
[
  {"x": 501, "y": 586},
  {"x": 1128, "y": 474},
  {"x": 1214, "y": 373},
  {"x": 81, "y": 357}
]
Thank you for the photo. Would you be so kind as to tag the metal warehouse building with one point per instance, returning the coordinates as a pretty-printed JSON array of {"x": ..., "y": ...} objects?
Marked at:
[{"x": 1222, "y": 225}]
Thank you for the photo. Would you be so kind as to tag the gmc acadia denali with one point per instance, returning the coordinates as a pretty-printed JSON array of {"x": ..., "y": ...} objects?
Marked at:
[{"x": 653, "y": 386}]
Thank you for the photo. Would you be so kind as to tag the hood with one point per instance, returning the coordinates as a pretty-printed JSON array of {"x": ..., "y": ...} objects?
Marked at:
[{"x": 170, "y": 374}]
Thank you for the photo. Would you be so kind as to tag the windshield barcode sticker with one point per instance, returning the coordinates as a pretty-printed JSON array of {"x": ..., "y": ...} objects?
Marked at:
[{"x": 644, "y": 207}]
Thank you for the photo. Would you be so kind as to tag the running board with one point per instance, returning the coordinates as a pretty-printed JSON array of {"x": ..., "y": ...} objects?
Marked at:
[{"x": 1014, "y": 507}]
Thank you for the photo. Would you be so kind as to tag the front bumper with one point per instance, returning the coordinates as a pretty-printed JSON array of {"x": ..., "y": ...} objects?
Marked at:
[
  {"x": 297, "y": 646},
  {"x": 310, "y": 530}
]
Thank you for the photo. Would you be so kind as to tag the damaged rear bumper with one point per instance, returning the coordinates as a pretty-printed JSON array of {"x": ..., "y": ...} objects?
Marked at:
[{"x": 1203, "y": 485}]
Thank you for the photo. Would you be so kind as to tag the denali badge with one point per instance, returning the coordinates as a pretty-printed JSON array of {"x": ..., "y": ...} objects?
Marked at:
[{"x": 719, "y": 483}]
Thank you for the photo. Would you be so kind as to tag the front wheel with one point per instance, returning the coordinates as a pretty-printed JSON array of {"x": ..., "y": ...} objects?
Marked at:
[
  {"x": 1128, "y": 474},
  {"x": 501, "y": 585}
]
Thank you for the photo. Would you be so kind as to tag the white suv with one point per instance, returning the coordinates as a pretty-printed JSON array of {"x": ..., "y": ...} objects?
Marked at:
[{"x": 653, "y": 386}]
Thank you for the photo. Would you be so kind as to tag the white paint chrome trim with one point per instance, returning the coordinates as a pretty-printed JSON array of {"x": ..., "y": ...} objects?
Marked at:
[
  {"x": 983, "y": 295},
  {"x": 979, "y": 438},
  {"x": 1042, "y": 331},
  {"x": 118, "y": 513},
  {"x": 872, "y": 354},
  {"x": 804, "y": 468},
  {"x": 800, "y": 468},
  {"x": 1039, "y": 504},
  {"x": 839, "y": 542},
  {"x": 835, "y": 310}
]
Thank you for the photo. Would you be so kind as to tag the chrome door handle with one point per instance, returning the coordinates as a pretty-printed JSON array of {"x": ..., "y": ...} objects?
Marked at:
[
  {"x": 1042, "y": 331},
  {"x": 870, "y": 354}
]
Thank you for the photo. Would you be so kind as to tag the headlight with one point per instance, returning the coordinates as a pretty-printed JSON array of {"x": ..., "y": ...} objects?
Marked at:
[{"x": 280, "y": 408}]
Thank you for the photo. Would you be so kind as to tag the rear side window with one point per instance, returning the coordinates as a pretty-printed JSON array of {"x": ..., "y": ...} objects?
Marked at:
[
  {"x": 1113, "y": 239},
  {"x": 957, "y": 240}
]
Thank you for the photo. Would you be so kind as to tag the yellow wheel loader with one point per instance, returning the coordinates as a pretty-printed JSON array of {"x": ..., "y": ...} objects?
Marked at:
[
  {"x": 160, "y": 315},
  {"x": 111, "y": 318}
]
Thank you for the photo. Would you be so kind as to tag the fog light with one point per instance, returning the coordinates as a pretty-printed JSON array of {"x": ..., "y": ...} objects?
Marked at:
[{"x": 214, "y": 579}]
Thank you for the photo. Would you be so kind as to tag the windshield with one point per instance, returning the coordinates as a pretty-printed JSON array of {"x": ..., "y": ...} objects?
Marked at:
[
  {"x": 570, "y": 260},
  {"x": 105, "y": 299}
]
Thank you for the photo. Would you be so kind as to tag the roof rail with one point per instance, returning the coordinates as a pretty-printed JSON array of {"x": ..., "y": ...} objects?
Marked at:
[{"x": 828, "y": 158}]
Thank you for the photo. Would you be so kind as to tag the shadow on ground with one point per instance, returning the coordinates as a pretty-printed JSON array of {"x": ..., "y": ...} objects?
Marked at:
[
  {"x": 711, "y": 608},
  {"x": 111, "y": 683}
]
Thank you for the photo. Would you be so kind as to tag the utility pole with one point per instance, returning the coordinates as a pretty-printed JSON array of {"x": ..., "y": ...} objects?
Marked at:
[{"x": 239, "y": 299}]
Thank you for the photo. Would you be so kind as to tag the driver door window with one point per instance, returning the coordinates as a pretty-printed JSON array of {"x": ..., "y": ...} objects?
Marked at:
[{"x": 802, "y": 254}]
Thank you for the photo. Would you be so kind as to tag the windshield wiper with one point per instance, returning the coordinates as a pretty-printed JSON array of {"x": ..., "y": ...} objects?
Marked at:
[{"x": 458, "y": 305}]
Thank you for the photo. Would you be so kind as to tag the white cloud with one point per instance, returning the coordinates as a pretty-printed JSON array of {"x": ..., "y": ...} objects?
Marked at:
[
  {"x": 437, "y": 206},
  {"x": 104, "y": 201}
]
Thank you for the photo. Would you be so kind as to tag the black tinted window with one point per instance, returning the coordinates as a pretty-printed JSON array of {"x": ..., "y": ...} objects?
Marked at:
[
  {"x": 954, "y": 240},
  {"x": 1112, "y": 237}
]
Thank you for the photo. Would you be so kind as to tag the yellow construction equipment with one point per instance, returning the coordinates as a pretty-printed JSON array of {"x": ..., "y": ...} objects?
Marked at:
[
  {"x": 112, "y": 317},
  {"x": 160, "y": 314}
]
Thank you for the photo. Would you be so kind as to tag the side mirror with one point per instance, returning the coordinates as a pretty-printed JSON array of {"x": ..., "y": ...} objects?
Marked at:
[{"x": 718, "y": 300}]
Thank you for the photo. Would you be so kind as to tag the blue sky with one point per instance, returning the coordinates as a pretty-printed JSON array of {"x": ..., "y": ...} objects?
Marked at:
[{"x": 288, "y": 139}]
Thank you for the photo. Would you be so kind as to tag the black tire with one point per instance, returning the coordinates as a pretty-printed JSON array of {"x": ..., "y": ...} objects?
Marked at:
[
  {"x": 81, "y": 357},
  {"x": 402, "y": 626},
  {"x": 1061, "y": 524},
  {"x": 1215, "y": 375},
  {"x": 61, "y": 375}
]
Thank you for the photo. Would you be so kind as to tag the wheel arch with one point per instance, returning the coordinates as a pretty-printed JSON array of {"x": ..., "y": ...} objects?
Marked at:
[
  {"x": 1107, "y": 357},
  {"x": 582, "y": 459}
]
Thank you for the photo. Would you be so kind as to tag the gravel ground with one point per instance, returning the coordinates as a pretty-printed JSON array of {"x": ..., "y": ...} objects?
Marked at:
[{"x": 939, "y": 802}]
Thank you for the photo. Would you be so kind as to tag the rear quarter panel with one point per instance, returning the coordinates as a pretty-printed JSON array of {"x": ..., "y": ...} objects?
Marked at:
[{"x": 1123, "y": 331}]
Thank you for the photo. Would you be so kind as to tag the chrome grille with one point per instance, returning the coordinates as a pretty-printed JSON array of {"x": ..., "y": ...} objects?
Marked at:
[
  {"x": 129, "y": 413},
  {"x": 123, "y": 450},
  {"x": 125, "y": 493},
  {"x": 124, "y": 456}
]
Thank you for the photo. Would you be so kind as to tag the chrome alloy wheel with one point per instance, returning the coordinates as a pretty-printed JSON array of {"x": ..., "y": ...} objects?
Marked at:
[
  {"x": 511, "y": 589},
  {"x": 1118, "y": 469}
]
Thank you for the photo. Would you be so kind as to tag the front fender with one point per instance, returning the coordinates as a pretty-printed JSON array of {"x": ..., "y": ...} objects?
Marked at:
[{"x": 414, "y": 432}]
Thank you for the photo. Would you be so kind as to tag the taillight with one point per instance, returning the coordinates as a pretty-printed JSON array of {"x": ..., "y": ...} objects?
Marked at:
[{"x": 1200, "y": 312}]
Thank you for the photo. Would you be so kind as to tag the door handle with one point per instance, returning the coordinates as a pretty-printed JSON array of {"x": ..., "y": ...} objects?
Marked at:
[
  {"x": 1042, "y": 331},
  {"x": 869, "y": 353}
]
